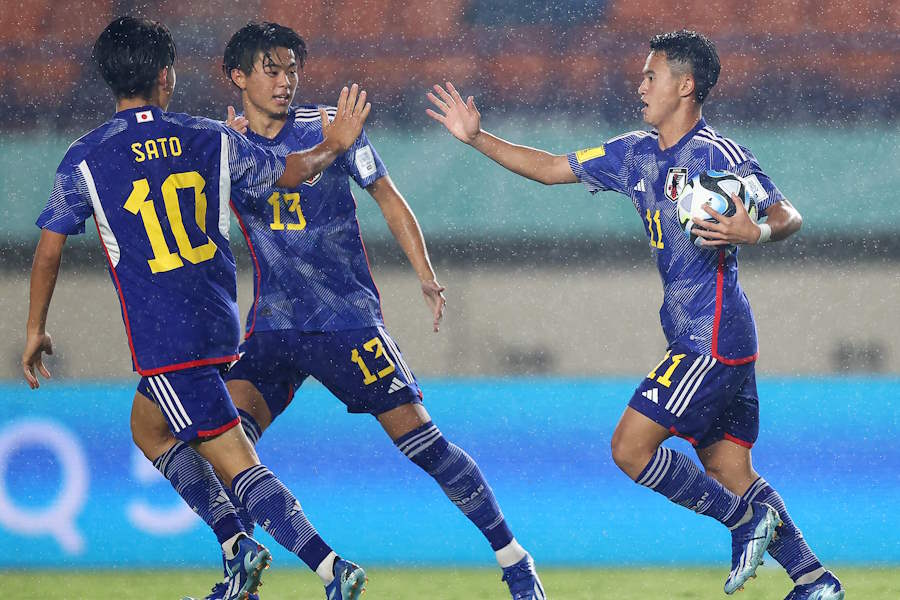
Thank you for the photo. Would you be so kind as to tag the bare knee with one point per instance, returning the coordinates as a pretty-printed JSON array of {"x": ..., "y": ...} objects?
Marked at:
[{"x": 629, "y": 454}]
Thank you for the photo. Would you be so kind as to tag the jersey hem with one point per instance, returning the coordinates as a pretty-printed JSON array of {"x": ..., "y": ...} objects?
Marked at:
[{"x": 203, "y": 362}]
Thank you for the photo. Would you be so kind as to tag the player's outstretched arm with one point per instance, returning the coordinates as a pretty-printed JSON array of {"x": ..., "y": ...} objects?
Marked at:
[
  {"x": 405, "y": 228},
  {"x": 339, "y": 135},
  {"x": 44, "y": 270},
  {"x": 783, "y": 220},
  {"x": 462, "y": 119}
]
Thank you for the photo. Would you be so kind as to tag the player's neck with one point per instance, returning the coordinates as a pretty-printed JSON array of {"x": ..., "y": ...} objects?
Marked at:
[
  {"x": 677, "y": 126},
  {"x": 136, "y": 102},
  {"x": 263, "y": 123}
]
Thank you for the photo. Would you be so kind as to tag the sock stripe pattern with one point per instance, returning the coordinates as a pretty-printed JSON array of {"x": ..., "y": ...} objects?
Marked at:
[
  {"x": 789, "y": 548},
  {"x": 250, "y": 426},
  {"x": 195, "y": 481},
  {"x": 460, "y": 478},
  {"x": 279, "y": 513},
  {"x": 678, "y": 478}
]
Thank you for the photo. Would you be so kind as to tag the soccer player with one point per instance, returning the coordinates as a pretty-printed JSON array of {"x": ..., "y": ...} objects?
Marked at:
[
  {"x": 316, "y": 311},
  {"x": 157, "y": 184},
  {"x": 704, "y": 388}
]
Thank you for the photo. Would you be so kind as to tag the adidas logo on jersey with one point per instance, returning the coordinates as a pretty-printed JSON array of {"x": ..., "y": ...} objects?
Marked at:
[
  {"x": 396, "y": 385},
  {"x": 652, "y": 395},
  {"x": 640, "y": 187}
]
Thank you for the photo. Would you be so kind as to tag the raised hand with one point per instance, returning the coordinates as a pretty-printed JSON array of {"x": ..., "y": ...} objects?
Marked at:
[
  {"x": 35, "y": 346},
  {"x": 461, "y": 118},
  {"x": 352, "y": 111},
  {"x": 737, "y": 229},
  {"x": 239, "y": 124},
  {"x": 434, "y": 298}
]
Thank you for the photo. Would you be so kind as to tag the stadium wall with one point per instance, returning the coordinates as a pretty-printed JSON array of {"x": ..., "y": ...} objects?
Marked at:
[
  {"x": 75, "y": 493},
  {"x": 525, "y": 319}
]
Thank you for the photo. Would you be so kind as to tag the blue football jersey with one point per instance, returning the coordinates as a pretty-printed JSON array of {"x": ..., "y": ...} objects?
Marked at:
[
  {"x": 704, "y": 307},
  {"x": 158, "y": 184},
  {"x": 311, "y": 269}
]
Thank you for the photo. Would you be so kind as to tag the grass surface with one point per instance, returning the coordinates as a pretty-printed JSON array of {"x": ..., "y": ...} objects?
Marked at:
[{"x": 440, "y": 584}]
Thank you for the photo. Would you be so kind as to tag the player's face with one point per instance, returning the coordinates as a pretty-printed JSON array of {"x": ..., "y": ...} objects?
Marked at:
[
  {"x": 659, "y": 89},
  {"x": 272, "y": 83}
]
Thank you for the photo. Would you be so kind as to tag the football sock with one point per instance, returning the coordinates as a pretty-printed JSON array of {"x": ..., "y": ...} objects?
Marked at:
[
  {"x": 196, "y": 482},
  {"x": 325, "y": 570},
  {"x": 678, "y": 478},
  {"x": 459, "y": 478},
  {"x": 279, "y": 513},
  {"x": 788, "y": 548}
]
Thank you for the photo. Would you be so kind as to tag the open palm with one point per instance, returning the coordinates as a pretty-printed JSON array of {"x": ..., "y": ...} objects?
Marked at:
[{"x": 461, "y": 118}]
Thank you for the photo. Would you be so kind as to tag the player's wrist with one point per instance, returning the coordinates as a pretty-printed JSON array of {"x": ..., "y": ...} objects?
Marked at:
[{"x": 765, "y": 233}]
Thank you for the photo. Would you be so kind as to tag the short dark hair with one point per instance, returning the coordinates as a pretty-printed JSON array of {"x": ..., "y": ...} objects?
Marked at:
[
  {"x": 254, "y": 37},
  {"x": 694, "y": 49},
  {"x": 131, "y": 52}
]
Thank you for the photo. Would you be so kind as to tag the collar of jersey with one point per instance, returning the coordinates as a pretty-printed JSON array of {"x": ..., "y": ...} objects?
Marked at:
[
  {"x": 130, "y": 111},
  {"x": 684, "y": 139},
  {"x": 283, "y": 133}
]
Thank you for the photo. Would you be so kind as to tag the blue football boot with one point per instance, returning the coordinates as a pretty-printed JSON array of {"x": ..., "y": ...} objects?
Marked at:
[
  {"x": 349, "y": 581},
  {"x": 218, "y": 593},
  {"x": 523, "y": 580},
  {"x": 245, "y": 569},
  {"x": 826, "y": 587},
  {"x": 749, "y": 543}
]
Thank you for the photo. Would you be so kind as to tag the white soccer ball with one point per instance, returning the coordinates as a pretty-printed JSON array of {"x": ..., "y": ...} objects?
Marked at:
[{"x": 713, "y": 189}]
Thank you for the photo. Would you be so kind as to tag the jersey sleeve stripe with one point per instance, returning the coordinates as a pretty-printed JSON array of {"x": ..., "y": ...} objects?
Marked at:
[
  {"x": 106, "y": 232},
  {"x": 728, "y": 143},
  {"x": 224, "y": 189}
]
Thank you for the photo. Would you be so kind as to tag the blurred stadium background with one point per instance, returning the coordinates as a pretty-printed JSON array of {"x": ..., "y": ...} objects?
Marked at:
[{"x": 552, "y": 293}]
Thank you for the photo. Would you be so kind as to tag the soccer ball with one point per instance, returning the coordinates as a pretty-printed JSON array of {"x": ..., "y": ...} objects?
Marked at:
[{"x": 713, "y": 189}]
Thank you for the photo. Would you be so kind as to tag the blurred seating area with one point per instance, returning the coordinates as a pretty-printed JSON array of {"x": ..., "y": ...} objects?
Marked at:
[{"x": 806, "y": 59}]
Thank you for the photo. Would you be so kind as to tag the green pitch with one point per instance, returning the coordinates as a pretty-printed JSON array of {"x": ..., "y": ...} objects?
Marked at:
[{"x": 440, "y": 584}]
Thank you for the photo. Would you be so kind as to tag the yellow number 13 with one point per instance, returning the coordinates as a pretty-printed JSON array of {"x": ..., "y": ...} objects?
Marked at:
[{"x": 139, "y": 203}]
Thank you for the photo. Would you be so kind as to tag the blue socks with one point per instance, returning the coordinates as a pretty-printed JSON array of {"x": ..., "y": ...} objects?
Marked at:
[
  {"x": 460, "y": 478},
  {"x": 788, "y": 548},
  {"x": 678, "y": 478},
  {"x": 195, "y": 481},
  {"x": 279, "y": 513}
]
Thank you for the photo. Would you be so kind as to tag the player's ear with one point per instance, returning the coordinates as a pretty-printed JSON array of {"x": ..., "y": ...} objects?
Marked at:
[
  {"x": 687, "y": 85},
  {"x": 238, "y": 78}
]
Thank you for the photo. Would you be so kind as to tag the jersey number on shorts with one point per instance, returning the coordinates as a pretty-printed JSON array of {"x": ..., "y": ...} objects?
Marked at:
[
  {"x": 293, "y": 205},
  {"x": 664, "y": 378},
  {"x": 139, "y": 203},
  {"x": 655, "y": 233},
  {"x": 373, "y": 346}
]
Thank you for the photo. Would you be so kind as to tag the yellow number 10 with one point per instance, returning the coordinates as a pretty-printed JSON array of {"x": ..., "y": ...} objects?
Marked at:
[{"x": 139, "y": 203}]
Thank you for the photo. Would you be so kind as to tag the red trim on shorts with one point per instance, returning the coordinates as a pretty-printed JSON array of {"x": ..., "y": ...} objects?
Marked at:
[
  {"x": 674, "y": 431},
  {"x": 720, "y": 284},
  {"x": 112, "y": 270},
  {"x": 255, "y": 268},
  {"x": 735, "y": 440},
  {"x": 189, "y": 365},
  {"x": 218, "y": 430}
]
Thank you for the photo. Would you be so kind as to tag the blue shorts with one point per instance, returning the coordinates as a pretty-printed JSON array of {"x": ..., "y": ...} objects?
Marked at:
[
  {"x": 362, "y": 367},
  {"x": 195, "y": 402},
  {"x": 698, "y": 398}
]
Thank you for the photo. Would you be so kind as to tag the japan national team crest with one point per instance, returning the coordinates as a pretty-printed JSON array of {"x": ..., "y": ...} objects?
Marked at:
[{"x": 676, "y": 178}]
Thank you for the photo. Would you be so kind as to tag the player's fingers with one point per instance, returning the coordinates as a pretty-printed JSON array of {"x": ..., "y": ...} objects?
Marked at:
[
  {"x": 738, "y": 204},
  {"x": 711, "y": 211},
  {"x": 351, "y": 100},
  {"x": 342, "y": 100},
  {"x": 471, "y": 103},
  {"x": 444, "y": 95},
  {"x": 43, "y": 370},
  {"x": 439, "y": 118},
  {"x": 231, "y": 114},
  {"x": 324, "y": 116},
  {"x": 455, "y": 94},
  {"x": 438, "y": 102},
  {"x": 28, "y": 371},
  {"x": 360, "y": 103},
  {"x": 365, "y": 112}
]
